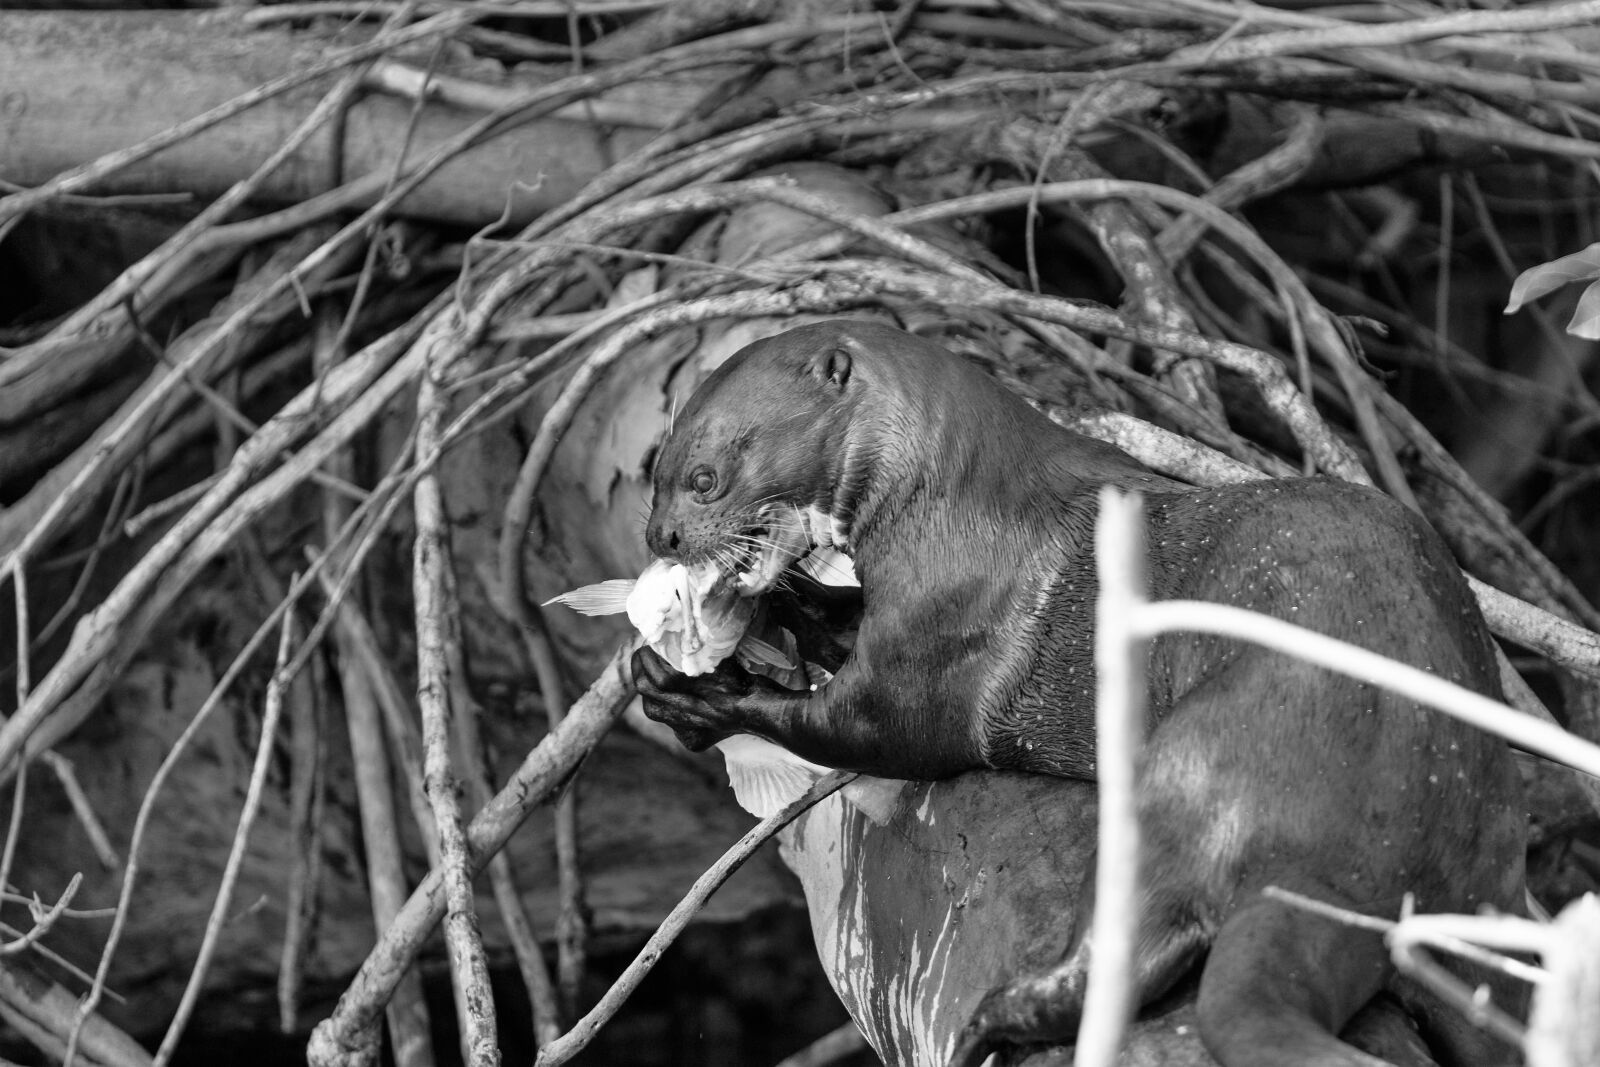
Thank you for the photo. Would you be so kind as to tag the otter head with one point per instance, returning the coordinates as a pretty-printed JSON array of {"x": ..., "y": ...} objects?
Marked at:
[{"x": 748, "y": 475}]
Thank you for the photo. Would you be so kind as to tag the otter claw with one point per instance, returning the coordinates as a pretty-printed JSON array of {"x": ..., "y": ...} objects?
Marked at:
[
  {"x": 972, "y": 1047},
  {"x": 1031, "y": 1010},
  {"x": 988, "y": 1032},
  {"x": 696, "y": 708},
  {"x": 697, "y": 738}
]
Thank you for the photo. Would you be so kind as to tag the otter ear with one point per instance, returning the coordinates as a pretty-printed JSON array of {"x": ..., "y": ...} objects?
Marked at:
[{"x": 832, "y": 366}]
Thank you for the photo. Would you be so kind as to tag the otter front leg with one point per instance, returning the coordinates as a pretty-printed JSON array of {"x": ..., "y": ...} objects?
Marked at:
[
  {"x": 837, "y": 726},
  {"x": 704, "y": 709}
]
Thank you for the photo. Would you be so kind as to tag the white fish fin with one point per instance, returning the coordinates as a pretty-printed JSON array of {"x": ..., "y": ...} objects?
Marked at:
[
  {"x": 829, "y": 566},
  {"x": 765, "y": 776},
  {"x": 876, "y": 798},
  {"x": 759, "y": 651},
  {"x": 602, "y": 598}
]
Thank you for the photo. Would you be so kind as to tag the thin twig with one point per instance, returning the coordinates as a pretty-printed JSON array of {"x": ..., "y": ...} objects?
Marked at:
[
  {"x": 1120, "y": 654},
  {"x": 1322, "y": 329},
  {"x": 82, "y": 809},
  {"x": 265, "y": 16},
  {"x": 361, "y": 682},
  {"x": 176, "y": 255},
  {"x": 830, "y": 1048},
  {"x": 276, "y": 689},
  {"x": 1260, "y": 177},
  {"x": 121, "y": 499},
  {"x": 73, "y": 668},
  {"x": 508, "y": 899},
  {"x": 369, "y": 263},
  {"x": 469, "y": 742},
  {"x": 1501, "y": 131},
  {"x": 468, "y": 966},
  {"x": 529, "y": 620},
  {"x": 44, "y": 1013},
  {"x": 44, "y": 919},
  {"x": 19, "y": 791},
  {"x": 576, "y": 1039},
  {"x": 202, "y": 715},
  {"x": 70, "y": 488},
  {"x": 1390, "y": 34},
  {"x": 1534, "y": 567},
  {"x": 530, "y": 105},
  {"x": 407, "y": 1012},
  {"x": 583, "y": 380},
  {"x": 1474, "y": 709},
  {"x": 306, "y": 806},
  {"x": 1468, "y": 936},
  {"x": 541, "y": 773},
  {"x": 1277, "y": 390},
  {"x": 81, "y": 674}
]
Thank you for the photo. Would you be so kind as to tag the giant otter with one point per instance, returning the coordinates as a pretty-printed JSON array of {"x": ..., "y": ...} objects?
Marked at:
[{"x": 969, "y": 518}]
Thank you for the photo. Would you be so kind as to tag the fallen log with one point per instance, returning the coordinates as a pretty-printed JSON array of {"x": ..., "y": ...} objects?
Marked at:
[{"x": 75, "y": 86}]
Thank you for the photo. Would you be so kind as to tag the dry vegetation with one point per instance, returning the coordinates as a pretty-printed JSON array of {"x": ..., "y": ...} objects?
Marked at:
[{"x": 424, "y": 293}]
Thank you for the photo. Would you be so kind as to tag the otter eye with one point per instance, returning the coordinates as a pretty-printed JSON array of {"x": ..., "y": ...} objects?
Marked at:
[{"x": 703, "y": 480}]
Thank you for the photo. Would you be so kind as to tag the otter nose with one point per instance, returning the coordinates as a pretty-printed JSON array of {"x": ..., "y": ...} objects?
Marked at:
[{"x": 662, "y": 535}]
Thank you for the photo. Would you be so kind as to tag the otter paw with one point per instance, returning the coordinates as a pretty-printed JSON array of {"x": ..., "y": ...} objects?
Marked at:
[
  {"x": 701, "y": 710},
  {"x": 1034, "y": 1010},
  {"x": 973, "y": 1047}
]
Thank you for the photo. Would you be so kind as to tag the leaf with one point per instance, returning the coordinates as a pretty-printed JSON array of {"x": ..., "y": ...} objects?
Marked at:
[
  {"x": 1586, "y": 316},
  {"x": 1535, "y": 282}
]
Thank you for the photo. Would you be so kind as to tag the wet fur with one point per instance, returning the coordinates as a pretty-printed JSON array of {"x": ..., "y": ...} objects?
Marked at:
[{"x": 969, "y": 519}]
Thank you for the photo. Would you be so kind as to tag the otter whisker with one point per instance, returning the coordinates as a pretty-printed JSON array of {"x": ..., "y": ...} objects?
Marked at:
[{"x": 727, "y": 559}]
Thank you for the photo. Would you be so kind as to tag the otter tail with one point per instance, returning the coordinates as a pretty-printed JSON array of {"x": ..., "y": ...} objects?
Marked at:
[
  {"x": 1046, "y": 1007},
  {"x": 1277, "y": 985},
  {"x": 1281, "y": 982}
]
